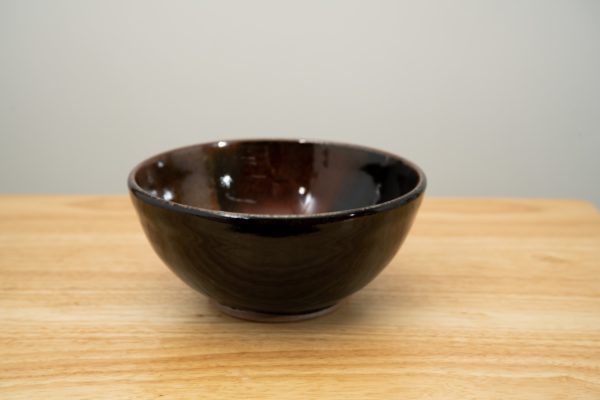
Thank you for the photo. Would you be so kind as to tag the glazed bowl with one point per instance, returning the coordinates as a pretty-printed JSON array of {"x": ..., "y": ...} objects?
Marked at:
[{"x": 276, "y": 229}]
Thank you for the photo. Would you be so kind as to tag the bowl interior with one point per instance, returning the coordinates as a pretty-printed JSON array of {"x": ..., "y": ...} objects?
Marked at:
[{"x": 276, "y": 177}]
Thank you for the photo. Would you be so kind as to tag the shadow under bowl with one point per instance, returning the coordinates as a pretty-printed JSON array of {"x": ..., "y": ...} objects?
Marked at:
[{"x": 276, "y": 230}]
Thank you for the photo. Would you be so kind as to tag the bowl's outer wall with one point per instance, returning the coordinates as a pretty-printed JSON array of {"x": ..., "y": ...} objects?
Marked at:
[{"x": 276, "y": 265}]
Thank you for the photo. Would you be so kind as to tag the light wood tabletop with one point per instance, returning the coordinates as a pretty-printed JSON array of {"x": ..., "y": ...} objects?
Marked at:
[{"x": 487, "y": 299}]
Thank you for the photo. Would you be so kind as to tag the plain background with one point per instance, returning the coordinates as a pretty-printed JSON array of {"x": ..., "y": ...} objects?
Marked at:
[{"x": 491, "y": 98}]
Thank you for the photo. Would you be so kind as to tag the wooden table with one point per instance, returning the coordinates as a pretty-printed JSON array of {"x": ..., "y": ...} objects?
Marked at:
[{"x": 487, "y": 299}]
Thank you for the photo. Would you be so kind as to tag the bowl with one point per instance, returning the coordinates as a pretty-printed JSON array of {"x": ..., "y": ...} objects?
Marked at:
[{"x": 276, "y": 230}]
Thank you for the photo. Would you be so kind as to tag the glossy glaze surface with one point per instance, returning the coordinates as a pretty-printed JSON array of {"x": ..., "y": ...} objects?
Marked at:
[
  {"x": 278, "y": 227},
  {"x": 275, "y": 177}
]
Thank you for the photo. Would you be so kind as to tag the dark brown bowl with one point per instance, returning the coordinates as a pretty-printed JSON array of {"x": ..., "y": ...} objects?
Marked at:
[{"x": 276, "y": 229}]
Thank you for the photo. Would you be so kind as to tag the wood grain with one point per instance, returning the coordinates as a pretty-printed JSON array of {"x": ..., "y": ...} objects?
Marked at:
[{"x": 487, "y": 299}]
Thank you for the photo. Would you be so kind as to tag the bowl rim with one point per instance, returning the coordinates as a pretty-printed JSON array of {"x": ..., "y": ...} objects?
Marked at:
[{"x": 407, "y": 197}]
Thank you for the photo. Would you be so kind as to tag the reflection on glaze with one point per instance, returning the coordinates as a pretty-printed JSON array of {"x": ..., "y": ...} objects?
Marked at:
[
  {"x": 167, "y": 195},
  {"x": 226, "y": 181},
  {"x": 308, "y": 205}
]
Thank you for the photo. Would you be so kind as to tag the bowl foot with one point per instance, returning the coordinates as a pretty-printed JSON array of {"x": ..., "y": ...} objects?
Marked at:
[{"x": 268, "y": 317}]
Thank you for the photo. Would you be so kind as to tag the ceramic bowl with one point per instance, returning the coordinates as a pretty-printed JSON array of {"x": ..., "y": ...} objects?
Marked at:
[{"x": 276, "y": 230}]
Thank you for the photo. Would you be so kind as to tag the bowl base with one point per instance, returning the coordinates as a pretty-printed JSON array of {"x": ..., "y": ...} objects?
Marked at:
[{"x": 268, "y": 317}]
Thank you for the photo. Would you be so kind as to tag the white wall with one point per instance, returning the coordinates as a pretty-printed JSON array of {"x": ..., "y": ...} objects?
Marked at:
[{"x": 492, "y": 98}]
